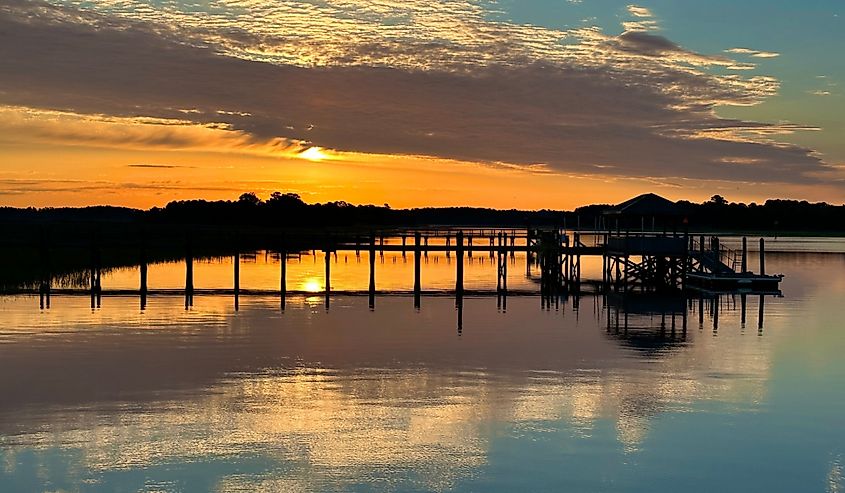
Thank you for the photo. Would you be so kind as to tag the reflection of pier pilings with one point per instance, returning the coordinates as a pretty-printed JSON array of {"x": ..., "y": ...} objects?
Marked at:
[
  {"x": 96, "y": 277},
  {"x": 635, "y": 312}
]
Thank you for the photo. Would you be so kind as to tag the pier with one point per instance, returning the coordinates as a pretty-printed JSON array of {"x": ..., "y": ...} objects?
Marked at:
[
  {"x": 631, "y": 262},
  {"x": 643, "y": 245}
]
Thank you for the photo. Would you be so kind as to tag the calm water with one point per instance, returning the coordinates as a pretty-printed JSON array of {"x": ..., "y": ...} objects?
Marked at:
[{"x": 395, "y": 399}]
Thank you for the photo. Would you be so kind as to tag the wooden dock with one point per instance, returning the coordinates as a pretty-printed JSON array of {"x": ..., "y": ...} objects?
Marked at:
[{"x": 631, "y": 262}]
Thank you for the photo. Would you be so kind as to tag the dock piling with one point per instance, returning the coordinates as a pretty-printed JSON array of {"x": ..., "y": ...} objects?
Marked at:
[
  {"x": 328, "y": 256},
  {"x": 459, "y": 275},
  {"x": 236, "y": 260},
  {"x": 417, "y": 257},
  {"x": 283, "y": 274},
  {"x": 142, "y": 268},
  {"x": 189, "y": 276},
  {"x": 372, "y": 288}
]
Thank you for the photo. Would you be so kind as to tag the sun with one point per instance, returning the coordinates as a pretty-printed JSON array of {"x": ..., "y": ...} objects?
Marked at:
[
  {"x": 313, "y": 154},
  {"x": 312, "y": 286}
]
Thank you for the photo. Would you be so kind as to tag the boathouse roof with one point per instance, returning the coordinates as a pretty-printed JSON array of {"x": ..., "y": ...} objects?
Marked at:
[{"x": 647, "y": 204}]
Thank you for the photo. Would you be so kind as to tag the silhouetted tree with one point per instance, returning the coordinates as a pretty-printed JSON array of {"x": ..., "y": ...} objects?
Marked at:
[
  {"x": 249, "y": 198},
  {"x": 279, "y": 199},
  {"x": 718, "y": 200}
]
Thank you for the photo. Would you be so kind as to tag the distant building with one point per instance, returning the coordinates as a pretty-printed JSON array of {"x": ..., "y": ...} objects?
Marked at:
[{"x": 648, "y": 211}]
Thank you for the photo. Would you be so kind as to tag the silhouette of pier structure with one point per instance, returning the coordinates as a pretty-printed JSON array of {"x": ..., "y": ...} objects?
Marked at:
[{"x": 633, "y": 259}]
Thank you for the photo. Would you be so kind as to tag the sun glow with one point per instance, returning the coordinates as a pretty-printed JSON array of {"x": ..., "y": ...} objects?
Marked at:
[
  {"x": 313, "y": 154},
  {"x": 312, "y": 286}
]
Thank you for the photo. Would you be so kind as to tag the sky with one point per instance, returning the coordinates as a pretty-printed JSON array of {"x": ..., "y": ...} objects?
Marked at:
[{"x": 508, "y": 104}]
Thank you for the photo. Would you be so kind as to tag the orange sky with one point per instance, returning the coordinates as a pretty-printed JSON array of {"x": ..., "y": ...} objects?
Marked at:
[
  {"x": 59, "y": 174},
  {"x": 54, "y": 167},
  {"x": 110, "y": 104}
]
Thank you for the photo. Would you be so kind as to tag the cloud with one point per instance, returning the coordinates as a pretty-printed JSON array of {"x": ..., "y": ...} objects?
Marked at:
[
  {"x": 30, "y": 186},
  {"x": 94, "y": 129},
  {"x": 644, "y": 20},
  {"x": 638, "y": 11},
  {"x": 156, "y": 166},
  {"x": 753, "y": 53},
  {"x": 434, "y": 81}
]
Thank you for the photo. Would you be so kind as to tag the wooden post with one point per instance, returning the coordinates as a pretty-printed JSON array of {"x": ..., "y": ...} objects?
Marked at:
[
  {"x": 96, "y": 287},
  {"x": 743, "y": 309},
  {"x": 625, "y": 282},
  {"x": 760, "y": 315},
  {"x": 189, "y": 276},
  {"x": 372, "y": 289},
  {"x": 498, "y": 272},
  {"x": 617, "y": 282},
  {"x": 283, "y": 281},
  {"x": 459, "y": 276},
  {"x": 762, "y": 257},
  {"x": 744, "y": 256},
  {"x": 504, "y": 273},
  {"x": 236, "y": 259},
  {"x": 604, "y": 269},
  {"x": 417, "y": 256},
  {"x": 577, "y": 257},
  {"x": 685, "y": 266},
  {"x": 46, "y": 276},
  {"x": 328, "y": 255},
  {"x": 143, "y": 274}
]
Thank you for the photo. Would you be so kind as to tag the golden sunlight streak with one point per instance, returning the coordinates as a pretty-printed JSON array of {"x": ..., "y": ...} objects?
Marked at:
[{"x": 313, "y": 154}]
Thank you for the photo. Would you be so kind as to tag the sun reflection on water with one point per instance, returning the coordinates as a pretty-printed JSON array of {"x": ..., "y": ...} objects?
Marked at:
[{"x": 312, "y": 285}]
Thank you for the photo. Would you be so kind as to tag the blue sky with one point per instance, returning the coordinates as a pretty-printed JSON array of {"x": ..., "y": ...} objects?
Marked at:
[{"x": 809, "y": 36}]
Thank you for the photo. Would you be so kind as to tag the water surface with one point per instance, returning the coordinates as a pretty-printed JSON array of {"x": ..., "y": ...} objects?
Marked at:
[{"x": 397, "y": 399}]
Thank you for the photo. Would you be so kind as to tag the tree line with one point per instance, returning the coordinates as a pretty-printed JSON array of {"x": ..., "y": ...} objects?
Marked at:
[{"x": 289, "y": 210}]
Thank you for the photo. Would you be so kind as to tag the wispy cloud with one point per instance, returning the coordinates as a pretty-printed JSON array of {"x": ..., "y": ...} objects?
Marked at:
[
  {"x": 638, "y": 11},
  {"x": 753, "y": 53},
  {"x": 156, "y": 166},
  {"x": 643, "y": 20}
]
